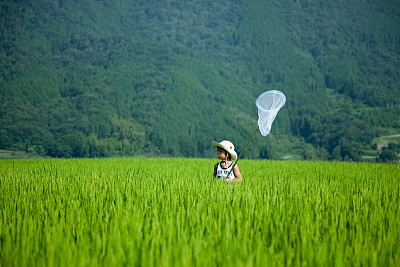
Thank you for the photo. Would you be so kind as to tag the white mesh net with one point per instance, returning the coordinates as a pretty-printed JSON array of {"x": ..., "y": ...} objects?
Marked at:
[{"x": 268, "y": 104}]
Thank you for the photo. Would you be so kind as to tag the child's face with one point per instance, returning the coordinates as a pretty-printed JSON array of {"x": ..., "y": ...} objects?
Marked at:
[{"x": 221, "y": 153}]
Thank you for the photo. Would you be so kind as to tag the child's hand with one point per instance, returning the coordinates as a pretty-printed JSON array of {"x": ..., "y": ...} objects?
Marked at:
[{"x": 232, "y": 180}]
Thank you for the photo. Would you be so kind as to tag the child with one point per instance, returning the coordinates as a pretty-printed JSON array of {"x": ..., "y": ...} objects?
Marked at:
[{"x": 226, "y": 153}]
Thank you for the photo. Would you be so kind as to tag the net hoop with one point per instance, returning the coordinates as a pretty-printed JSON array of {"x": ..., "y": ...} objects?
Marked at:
[{"x": 268, "y": 104}]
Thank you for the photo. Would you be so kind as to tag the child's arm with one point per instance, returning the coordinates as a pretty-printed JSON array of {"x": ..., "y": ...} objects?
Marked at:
[
  {"x": 238, "y": 176},
  {"x": 215, "y": 170},
  {"x": 237, "y": 173}
]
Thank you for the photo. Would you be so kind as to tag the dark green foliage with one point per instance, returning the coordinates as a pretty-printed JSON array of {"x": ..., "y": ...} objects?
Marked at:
[
  {"x": 388, "y": 156},
  {"x": 108, "y": 78},
  {"x": 391, "y": 153}
]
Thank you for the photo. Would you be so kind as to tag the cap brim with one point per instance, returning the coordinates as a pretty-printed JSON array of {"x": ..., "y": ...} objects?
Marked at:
[{"x": 216, "y": 144}]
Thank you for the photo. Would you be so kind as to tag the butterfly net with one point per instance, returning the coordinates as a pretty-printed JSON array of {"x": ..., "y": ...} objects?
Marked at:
[{"x": 268, "y": 104}]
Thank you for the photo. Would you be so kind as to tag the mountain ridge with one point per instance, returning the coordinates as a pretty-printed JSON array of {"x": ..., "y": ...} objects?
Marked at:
[{"x": 165, "y": 78}]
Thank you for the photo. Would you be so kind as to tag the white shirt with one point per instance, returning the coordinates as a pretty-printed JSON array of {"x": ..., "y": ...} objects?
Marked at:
[{"x": 223, "y": 172}]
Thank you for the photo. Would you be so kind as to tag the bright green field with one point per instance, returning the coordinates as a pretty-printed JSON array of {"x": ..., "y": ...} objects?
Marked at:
[{"x": 169, "y": 212}]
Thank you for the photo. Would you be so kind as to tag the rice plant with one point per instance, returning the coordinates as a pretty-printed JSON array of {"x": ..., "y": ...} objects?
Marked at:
[{"x": 170, "y": 212}]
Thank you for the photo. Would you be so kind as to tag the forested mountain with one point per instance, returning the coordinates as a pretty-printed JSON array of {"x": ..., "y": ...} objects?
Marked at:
[{"x": 95, "y": 78}]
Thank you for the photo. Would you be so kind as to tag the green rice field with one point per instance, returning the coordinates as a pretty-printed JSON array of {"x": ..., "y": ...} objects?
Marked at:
[{"x": 170, "y": 212}]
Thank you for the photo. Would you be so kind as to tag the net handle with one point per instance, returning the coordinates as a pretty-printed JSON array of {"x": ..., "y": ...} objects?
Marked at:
[{"x": 234, "y": 164}]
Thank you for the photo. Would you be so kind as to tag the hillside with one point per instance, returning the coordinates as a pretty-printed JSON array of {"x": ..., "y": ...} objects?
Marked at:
[{"x": 165, "y": 78}]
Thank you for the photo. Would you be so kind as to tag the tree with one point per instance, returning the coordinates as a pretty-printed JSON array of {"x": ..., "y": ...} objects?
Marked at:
[{"x": 387, "y": 156}]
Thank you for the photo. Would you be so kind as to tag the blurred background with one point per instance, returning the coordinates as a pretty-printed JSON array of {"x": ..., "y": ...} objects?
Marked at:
[{"x": 164, "y": 78}]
